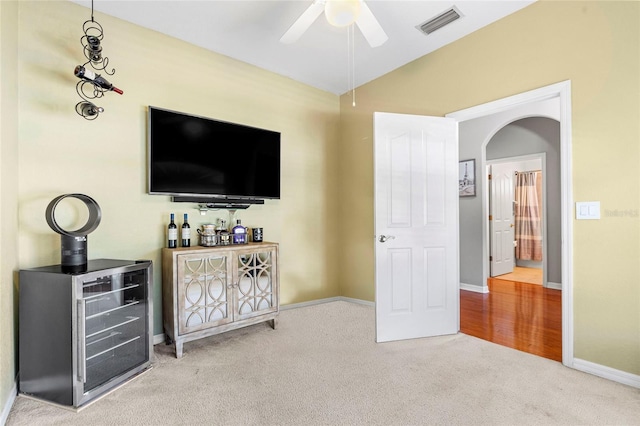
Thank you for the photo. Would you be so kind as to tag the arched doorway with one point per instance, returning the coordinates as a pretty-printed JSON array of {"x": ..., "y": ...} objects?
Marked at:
[
  {"x": 477, "y": 125},
  {"x": 533, "y": 145}
]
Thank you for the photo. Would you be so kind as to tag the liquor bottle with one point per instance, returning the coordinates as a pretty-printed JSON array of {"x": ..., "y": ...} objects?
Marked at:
[
  {"x": 239, "y": 233},
  {"x": 172, "y": 233},
  {"x": 88, "y": 75},
  {"x": 186, "y": 232},
  {"x": 223, "y": 234}
]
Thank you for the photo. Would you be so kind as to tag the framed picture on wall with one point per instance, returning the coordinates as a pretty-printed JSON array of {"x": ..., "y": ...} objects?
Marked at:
[{"x": 467, "y": 178}]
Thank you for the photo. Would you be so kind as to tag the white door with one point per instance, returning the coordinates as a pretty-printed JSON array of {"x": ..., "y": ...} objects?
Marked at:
[
  {"x": 501, "y": 219},
  {"x": 416, "y": 226}
]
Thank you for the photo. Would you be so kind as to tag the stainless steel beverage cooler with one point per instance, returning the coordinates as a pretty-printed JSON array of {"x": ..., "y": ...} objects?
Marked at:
[{"x": 84, "y": 333}]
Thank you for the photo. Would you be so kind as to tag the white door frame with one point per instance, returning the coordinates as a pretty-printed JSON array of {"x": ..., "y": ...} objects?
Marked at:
[{"x": 561, "y": 91}]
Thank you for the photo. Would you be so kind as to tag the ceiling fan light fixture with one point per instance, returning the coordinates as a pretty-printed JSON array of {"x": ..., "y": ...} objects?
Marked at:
[{"x": 341, "y": 13}]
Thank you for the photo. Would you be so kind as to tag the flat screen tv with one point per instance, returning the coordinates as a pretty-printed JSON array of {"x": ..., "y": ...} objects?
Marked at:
[{"x": 206, "y": 159}]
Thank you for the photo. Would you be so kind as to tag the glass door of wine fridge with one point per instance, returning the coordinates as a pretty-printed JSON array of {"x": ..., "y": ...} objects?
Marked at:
[{"x": 113, "y": 335}]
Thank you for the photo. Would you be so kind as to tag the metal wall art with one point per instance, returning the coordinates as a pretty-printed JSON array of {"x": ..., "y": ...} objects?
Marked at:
[{"x": 92, "y": 85}]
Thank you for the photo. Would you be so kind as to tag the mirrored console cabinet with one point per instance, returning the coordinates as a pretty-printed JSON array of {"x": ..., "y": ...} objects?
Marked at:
[
  {"x": 210, "y": 290},
  {"x": 83, "y": 333}
]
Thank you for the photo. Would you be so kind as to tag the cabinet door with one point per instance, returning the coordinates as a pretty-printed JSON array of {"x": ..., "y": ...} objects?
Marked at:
[
  {"x": 113, "y": 313},
  {"x": 203, "y": 299},
  {"x": 257, "y": 286}
]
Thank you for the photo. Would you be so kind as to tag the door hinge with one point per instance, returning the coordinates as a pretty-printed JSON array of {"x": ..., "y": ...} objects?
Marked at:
[
  {"x": 489, "y": 176},
  {"x": 490, "y": 217},
  {"x": 490, "y": 258}
]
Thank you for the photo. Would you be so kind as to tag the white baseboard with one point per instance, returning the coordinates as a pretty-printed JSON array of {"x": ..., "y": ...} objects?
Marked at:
[
  {"x": 309, "y": 303},
  {"x": 358, "y": 301},
  {"x": 607, "y": 372},
  {"x": 474, "y": 288},
  {"x": 554, "y": 286},
  {"x": 327, "y": 300},
  {"x": 9, "y": 403},
  {"x": 158, "y": 338}
]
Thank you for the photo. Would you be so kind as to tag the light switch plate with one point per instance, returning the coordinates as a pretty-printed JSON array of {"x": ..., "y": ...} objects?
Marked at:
[{"x": 588, "y": 210}]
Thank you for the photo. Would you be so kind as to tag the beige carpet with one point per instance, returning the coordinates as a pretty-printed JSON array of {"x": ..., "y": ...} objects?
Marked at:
[{"x": 323, "y": 367}]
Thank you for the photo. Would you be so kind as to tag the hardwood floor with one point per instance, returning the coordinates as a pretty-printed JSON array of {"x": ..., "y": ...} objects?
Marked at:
[
  {"x": 523, "y": 316},
  {"x": 524, "y": 275}
]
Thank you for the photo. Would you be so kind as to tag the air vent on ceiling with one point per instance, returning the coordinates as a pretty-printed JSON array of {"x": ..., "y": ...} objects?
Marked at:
[{"x": 439, "y": 21}]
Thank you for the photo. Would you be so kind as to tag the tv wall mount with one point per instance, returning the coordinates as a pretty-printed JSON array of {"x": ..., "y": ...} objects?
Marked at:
[{"x": 219, "y": 203}]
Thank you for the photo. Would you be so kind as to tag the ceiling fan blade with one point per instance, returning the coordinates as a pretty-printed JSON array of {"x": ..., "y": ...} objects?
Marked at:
[
  {"x": 305, "y": 20},
  {"x": 370, "y": 27}
]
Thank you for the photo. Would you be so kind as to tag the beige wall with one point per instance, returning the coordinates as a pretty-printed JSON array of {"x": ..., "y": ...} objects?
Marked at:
[
  {"x": 106, "y": 159},
  {"x": 596, "y": 45},
  {"x": 9, "y": 198}
]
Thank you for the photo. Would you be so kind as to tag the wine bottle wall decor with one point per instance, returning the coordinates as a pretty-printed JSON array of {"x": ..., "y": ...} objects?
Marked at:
[{"x": 92, "y": 85}]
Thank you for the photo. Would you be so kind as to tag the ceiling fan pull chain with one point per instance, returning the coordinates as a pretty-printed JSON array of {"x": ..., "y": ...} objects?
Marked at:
[{"x": 351, "y": 63}]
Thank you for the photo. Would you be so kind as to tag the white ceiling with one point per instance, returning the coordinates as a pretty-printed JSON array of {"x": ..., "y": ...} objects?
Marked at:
[{"x": 250, "y": 30}]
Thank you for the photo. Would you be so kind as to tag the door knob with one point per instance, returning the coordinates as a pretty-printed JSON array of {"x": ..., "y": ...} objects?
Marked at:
[{"x": 384, "y": 238}]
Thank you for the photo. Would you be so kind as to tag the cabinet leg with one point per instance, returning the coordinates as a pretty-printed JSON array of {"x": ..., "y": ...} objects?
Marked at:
[
  {"x": 274, "y": 323},
  {"x": 179, "y": 346}
]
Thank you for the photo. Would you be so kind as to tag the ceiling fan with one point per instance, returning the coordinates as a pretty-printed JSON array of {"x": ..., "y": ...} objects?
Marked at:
[{"x": 339, "y": 13}]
